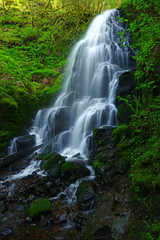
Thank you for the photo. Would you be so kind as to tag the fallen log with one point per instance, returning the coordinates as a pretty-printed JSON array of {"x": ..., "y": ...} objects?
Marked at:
[{"x": 6, "y": 161}]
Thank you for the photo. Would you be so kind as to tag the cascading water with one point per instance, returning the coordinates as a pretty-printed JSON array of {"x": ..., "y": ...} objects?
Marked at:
[{"x": 87, "y": 99}]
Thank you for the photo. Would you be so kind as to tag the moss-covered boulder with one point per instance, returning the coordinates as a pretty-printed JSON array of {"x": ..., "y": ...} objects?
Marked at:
[
  {"x": 40, "y": 206},
  {"x": 52, "y": 164},
  {"x": 86, "y": 196},
  {"x": 71, "y": 171}
]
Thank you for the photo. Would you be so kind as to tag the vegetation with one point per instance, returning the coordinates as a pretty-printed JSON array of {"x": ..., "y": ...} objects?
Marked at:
[
  {"x": 139, "y": 142},
  {"x": 35, "y": 38},
  {"x": 38, "y": 207}
]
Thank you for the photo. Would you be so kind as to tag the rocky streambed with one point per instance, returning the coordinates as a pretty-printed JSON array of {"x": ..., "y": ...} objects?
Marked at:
[{"x": 82, "y": 207}]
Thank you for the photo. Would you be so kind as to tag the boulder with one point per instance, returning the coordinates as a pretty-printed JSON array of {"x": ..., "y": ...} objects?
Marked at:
[
  {"x": 86, "y": 197},
  {"x": 25, "y": 142},
  {"x": 52, "y": 164},
  {"x": 71, "y": 171},
  {"x": 17, "y": 156}
]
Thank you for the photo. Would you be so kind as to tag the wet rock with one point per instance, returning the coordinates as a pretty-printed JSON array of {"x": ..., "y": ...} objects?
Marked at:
[
  {"x": 52, "y": 164},
  {"x": 30, "y": 190},
  {"x": 25, "y": 142},
  {"x": 42, "y": 189},
  {"x": 125, "y": 88},
  {"x": 3, "y": 196},
  {"x": 70, "y": 98},
  {"x": 126, "y": 85},
  {"x": 77, "y": 155},
  {"x": 46, "y": 149},
  {"x": 44, "y": 221},
  {"x": 49, "y": 185},
  {"x": 98, "y": 228},
  {"x": 61, "y": 119},
  {"x": 2, "y": 206},
  {"x": 101, "y": 138},
  {"x": 6, "y": 232},
  {"x": 119, "y": 226},
  {"x": 61, "y": 216},
  {"x": 71, "y": 171},
  {"x": 17, "y": 156},
  {"x": 86, "y": 197},
  {"x": 122, "y": 165}
]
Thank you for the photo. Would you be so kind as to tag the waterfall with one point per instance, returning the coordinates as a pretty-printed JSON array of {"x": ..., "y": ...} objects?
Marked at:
[{"x": 88, "y": 96}]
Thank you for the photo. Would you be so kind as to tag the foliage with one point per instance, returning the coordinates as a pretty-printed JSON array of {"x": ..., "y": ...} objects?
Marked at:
[
  {"x": 32, "y": 59},
  {"x": 38, "y": 207},
  {"x": 139, "y": 140},
  {"x": 35, "y": 39}
]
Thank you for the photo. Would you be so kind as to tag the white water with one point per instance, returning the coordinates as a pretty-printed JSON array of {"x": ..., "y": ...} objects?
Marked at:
[
  {"x": 87, "y": 99},
  {"x": 88, "y": 96}
]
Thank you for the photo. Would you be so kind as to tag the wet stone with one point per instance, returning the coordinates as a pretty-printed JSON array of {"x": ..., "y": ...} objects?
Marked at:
[
  {"x": 86, "y": 197},
  {"x": 119, "y": 225},
  {"x": 2, "y": 206},
  {"x": 6, "y": 232},
  {"x": 44, "y": 221}
]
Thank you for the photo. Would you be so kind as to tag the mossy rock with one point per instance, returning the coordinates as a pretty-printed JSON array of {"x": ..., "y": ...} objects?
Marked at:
[
  {"x": 121, "y": 133},
  {"x": 86, "y": 197},
  {"x": 52, "y": 163},
  {"x": 39, "y": 207},
  {"x": 71, "y": 171}
]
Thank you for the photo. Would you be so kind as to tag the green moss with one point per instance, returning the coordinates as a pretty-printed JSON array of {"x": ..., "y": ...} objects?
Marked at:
[
  {"x": 32, "y": 62},
  {"x": 65, "y": 167},
  {"x": 49, "y": 156},
  {"x": 38, "y": 207},
  {"x": 95, "y": 131},
  {"x": 72, "y": 178},
  {"x": 53, "y": 162},
  {"x": 8, "y": 100},
  {"x": 145, "y": 169},
  {"x": 119, "y": 133},
  {"x": 146, "y": 221},
  {"x": 96, "y": 167},
  {"x": 101, "y": 142}
]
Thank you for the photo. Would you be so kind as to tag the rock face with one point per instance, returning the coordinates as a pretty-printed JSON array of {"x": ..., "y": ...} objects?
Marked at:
[
  {"x": 125, "y": 88},
  {"x": 110, "y": 219},
  {"x": 86, "y": 196},
  {"x": 6, "y": 161}
]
